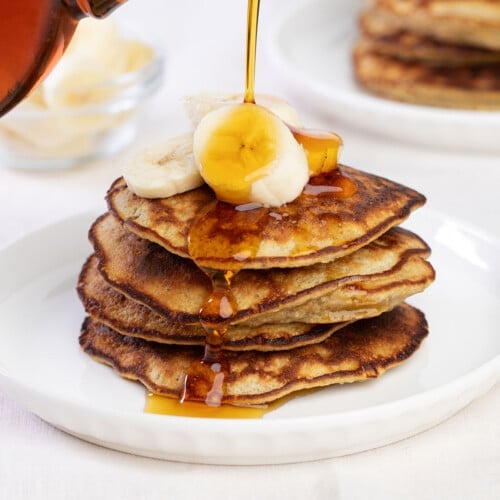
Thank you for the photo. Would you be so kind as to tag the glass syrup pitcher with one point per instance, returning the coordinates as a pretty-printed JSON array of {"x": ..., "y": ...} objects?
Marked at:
[{"x": 33, "y": 36}]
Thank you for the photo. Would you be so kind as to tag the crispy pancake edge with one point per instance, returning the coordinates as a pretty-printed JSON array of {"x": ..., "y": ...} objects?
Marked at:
[
  {"x": 281, "y": 302},
  {"x": 388, "y": 195},
  {"x": 168, "y": 333}
]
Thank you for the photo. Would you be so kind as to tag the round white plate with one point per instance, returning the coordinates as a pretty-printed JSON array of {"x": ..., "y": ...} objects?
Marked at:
[
  {"x": 41, "y": 364},
  {"x": 311, "y": 50}
]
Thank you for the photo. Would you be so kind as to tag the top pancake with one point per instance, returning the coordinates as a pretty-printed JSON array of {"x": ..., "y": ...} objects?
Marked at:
[
  {"x": 309, "y": 230},
  {"x": 473, "y": 22}
]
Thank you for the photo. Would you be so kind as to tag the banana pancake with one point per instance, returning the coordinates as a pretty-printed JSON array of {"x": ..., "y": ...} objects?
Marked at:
[
  {"x": 364, "y": 283},
  {"x": 362, "y": 350},
  {"x": 311, "y": 229},
  {"x": 411, "y": 47},
  {"x": 106, "y": 305},
  {"x": 465, "y": 87},
  {"x": 461, "y": 22}
]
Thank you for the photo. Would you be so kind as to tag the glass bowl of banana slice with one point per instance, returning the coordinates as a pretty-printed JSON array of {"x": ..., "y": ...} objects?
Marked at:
[{"x": 90, "y": 105}]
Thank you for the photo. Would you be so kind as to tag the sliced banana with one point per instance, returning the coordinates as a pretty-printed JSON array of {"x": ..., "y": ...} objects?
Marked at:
[
  {"x": 165, "y": 170},
  {"x": 322, "y": 149},
  {"x": 198, "y": 105},
  {"x": 246, "y": 154}
]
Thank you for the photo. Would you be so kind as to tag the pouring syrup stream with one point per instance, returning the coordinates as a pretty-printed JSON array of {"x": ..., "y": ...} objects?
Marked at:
[
  {"x": 205, "y": 379},
  {"x": 252, "y": 25}
]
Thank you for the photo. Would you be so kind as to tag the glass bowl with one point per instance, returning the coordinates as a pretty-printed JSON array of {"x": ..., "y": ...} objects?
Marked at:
[{"x": 33, "y": 136}]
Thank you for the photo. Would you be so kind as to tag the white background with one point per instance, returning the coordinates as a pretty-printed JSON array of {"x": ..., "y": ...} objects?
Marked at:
[{"x": 204, "y": 44}]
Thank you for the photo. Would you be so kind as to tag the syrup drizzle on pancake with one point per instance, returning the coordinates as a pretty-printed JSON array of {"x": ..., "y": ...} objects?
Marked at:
[{"x": 205, "y": 378}]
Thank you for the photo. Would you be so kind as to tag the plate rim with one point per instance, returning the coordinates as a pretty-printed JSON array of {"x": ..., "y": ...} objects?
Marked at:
[{"x": 490, "y": 368}]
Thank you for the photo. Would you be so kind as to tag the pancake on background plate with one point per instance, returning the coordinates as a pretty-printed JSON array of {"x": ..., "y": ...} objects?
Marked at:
[
  {"x": 458, "y": 22},
  {"x": 410, "y": 47},
  {"x": 433, "y": 53},
  {"x": 465, "y": 87}
]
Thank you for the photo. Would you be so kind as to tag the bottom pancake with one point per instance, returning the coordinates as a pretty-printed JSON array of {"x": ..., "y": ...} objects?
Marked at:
[{"x": 364, "y": 349}]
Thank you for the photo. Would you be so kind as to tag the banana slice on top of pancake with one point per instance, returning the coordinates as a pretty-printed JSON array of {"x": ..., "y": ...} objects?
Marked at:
[
  {"x": 164, "y": 170},
  {"x": 245, "y": 153}
]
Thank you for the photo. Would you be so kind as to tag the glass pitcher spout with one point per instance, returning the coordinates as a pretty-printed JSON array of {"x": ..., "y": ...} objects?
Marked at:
[{"x": 94, "y": 8}]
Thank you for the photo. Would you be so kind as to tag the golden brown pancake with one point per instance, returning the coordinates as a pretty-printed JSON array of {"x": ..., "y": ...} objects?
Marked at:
[
  {"x": 461, "y": 22},
  {"x": 364, "y": 283},
  {"x": 360, "y": 351},
  {"x": 309, "y": 230},
  {"x": 466, "y": 87},
  {"x": 411, "y": 47},
  {"x": 108, "y": 306}
]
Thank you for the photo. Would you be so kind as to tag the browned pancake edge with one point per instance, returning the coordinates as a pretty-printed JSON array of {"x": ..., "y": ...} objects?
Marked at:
[
  {"x": 309, "y": 230},
  {"x": 360, "y": 351}
]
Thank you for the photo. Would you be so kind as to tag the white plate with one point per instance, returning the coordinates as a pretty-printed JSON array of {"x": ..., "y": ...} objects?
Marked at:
[
  {"x": 42, "y": 367},
  {"x": 312, "y": 52}
]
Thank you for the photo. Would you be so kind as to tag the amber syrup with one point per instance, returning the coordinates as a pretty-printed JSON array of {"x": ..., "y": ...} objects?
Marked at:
[{"x": 234, "y": 234}]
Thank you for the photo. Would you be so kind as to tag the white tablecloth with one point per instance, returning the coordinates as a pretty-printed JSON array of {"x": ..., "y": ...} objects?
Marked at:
[{"x": 204, "y": 42}]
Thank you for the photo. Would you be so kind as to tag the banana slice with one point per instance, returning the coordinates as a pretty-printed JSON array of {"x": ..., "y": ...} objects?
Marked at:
[
  {"x": 165, "y": 170},
  {"x": 322, "y": 149},
  {"x": 198, "y": 105},
  {"x": 246, "y": 154}
]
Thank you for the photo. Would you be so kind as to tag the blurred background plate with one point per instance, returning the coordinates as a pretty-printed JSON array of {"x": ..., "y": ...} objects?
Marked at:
[{"x": 311, "y": 49}]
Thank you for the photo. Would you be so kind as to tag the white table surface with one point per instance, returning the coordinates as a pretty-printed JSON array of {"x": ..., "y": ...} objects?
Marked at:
[{"x": 204, "y": 43}]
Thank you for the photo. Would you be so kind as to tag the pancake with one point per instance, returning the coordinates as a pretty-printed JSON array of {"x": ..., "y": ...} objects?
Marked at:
[
  {"x": 461, "y": 22},
  {"x": 364, "y": 283},
  {"x": 465, "y": 87},
  {"x": 309, "y": 230},
  {"x": 108, "y": 306},
  {"x": 360, "y": 351},
  {"x": 411, "y": 47}
]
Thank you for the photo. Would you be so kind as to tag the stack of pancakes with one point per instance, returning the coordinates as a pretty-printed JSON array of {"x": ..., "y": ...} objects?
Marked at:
[
  {"x": 433, "y": 52},
  {"x": 320, "y": 301}
]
